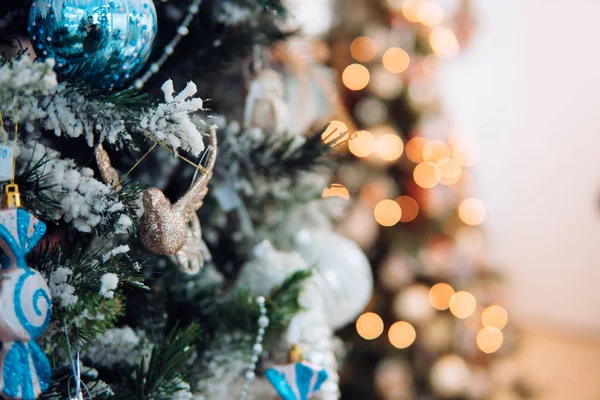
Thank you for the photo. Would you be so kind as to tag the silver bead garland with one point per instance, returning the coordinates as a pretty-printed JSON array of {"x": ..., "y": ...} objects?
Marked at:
[
  {"x": 182, "y": 31},
  {"x": 257, "y": 349}
]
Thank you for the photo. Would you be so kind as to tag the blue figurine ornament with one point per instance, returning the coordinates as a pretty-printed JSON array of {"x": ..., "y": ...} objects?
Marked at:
[
  {"x": 103, "y": 42},
  {"x": 25, "y": 307},
  {"x": 298, "y": 380}
]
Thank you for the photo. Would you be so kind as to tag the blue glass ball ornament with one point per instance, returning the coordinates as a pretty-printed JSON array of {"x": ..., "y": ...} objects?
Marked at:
[{"x": 103, "y": 42}]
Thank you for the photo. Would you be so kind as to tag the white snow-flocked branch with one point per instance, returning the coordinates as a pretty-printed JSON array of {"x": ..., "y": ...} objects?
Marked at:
[
  {"x": 85, "y": 202},
  {"x": 63, "y": 293},
  {"x": 74, "y": 111},
  {"x": 108, "y": 285},
  {"x": 169, "y": 123},
  {"x": 118, "y": 345},
  {"x": 43, "y": 102}
]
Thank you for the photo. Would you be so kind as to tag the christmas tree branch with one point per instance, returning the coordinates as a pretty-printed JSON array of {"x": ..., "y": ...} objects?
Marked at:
[
  {"x": 162, "y": 375},
  {"x": 57, "y": 189},
  {"x": 254, "y": 153},
  {"x": 86, "y": 289},
  {"x": 29, "y": 92}
]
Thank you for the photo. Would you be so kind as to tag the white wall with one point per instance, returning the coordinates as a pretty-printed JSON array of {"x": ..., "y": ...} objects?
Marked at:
[{"x": 529, "y": 89}]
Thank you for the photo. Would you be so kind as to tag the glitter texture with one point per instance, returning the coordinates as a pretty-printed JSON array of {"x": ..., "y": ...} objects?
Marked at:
[
  {"x": 107, "y": 172},
  {"x": 193, "y": 253},
  {"x": 163, "y": 227},
  {"x": 105, "y": 43},
  {"x": 296, "y": 381},
  {"x": 25, "y": 307}
]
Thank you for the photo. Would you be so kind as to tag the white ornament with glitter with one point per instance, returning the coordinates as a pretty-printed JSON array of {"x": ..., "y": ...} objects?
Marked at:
[{"x": 343, "y": 274}]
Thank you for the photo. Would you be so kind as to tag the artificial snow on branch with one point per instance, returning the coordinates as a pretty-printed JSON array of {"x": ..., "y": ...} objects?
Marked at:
[
  {"x": 169, "y": 123},
  {"x": 79, "y": 199},
  {"x": 30, "y": 91}
]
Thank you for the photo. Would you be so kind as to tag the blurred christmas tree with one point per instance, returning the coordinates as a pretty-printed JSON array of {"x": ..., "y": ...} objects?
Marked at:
[{"x": 436, "y": 327}]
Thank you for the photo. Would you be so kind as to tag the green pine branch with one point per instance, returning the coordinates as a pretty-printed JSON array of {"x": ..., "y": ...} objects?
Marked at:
[
  {"x": 161, "y": 375},
  {"x": 283, "y": 303},
  {"x": 41, "y": 196},
  {"x": 241, "y": 310},
  {"x": 62, "y": 385},
  {"x": 92, "y": 314}
]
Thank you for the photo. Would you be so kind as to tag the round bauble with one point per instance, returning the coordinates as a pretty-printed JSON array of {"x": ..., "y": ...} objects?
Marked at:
[
  {"x": 103, "y": 42},
  {"x": 268, "y": 268},
  {"x": 343, "y": 274}
]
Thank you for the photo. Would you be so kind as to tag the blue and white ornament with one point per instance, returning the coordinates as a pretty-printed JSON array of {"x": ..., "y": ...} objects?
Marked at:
[
  {"x": 296, "y": 381},
  {"x": 103, "y": 42},
  {"x": 25, "y": 307}
]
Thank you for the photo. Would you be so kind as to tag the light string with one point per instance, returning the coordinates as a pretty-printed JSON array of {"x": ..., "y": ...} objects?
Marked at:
[
  {"x": 257, "y": 349},
  {"x": 182, "y": 31}
]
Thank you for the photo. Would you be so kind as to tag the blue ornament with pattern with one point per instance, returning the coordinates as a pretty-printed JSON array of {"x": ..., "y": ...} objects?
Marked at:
[
  {"x": 296, "y": 381},
  {"x": 25, "y": 307},
  {"x": 103, "y": 42}
]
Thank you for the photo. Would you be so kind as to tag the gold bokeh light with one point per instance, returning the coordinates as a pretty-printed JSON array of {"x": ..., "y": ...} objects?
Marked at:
[
  {"x": 409, "y": 207},
  {"x": 440, "y": 295},
  {"x": 427, "y": 175},
  {"x": 489, "y": 339},
  {"x": 336, "y": 190},
  {"x": 471, "y": 211},
  {"x": 363, "y": 49},
  {"x": 355, "y": 77},
  {"x": 451, "y": 171},
  {"x": 389, "y": 147},
  {"x": 414, "y": 149},
  {"x": 443, "y": 42},
  {"x": 494, "y": 316},
  {"x": 395, "y": 60},
  {"x": 387, "y": 212},
  {"x": 430, "y": 13},
  {"x": 402, "y": 334},
  {"x": 336, "y": 132},
  {"x": 362, "y": 144},
  {"x": 435, "y": 151},
  {"x": 410, "y": 10},
  {"x": 369, "y": 326},
  {"x": 462, "y": 304}
]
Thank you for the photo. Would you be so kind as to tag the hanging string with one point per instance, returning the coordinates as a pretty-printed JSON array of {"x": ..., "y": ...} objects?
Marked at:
[
  {"x": 76, "y": 370},
  {"x": 182, "y": 31},
  {"x": 197, "y": 166},
  {"x": 14, "y": 169},
  {"x": 5, "y": 140},
  {"x": 136, "y": 164},
  {"x": 4, "y": 134}
]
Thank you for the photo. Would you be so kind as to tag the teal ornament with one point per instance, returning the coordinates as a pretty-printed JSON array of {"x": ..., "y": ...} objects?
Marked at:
[
  {"x": 103, "y": 42},
  {"x": 296, "y": 381},
  {"x": 25, "y": 307}
]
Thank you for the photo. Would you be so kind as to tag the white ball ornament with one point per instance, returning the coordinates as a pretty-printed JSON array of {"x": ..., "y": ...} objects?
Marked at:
[
  {"x": 343, "y": 274},
  {"x": 268, "y": 269}
]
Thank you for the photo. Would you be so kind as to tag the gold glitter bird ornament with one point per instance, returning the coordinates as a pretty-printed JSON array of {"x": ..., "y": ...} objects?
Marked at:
[
  {"x": 164, "y": 226},
  {"x": 107, "y": 172}
]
